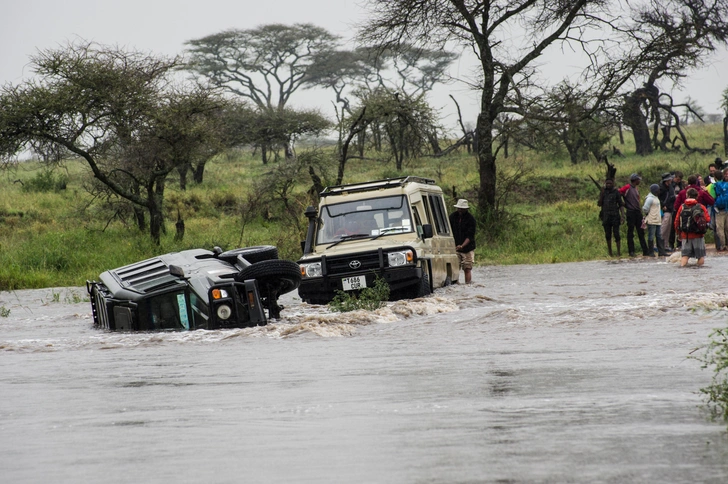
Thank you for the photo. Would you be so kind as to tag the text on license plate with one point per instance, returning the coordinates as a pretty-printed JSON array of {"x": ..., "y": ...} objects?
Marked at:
[{"x": 353, "y": 283}]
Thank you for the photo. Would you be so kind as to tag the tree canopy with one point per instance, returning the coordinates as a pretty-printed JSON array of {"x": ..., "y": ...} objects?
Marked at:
[
  {"x": 266, "y": 64},
  {"x": 120, "y": 112}
]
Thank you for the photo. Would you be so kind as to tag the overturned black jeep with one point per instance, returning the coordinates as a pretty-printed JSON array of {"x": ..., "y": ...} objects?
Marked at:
[{"x": 194, "y": 289}]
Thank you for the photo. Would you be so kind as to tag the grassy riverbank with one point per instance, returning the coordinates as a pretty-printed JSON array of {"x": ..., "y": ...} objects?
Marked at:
[{"x": 61, "y": 238}]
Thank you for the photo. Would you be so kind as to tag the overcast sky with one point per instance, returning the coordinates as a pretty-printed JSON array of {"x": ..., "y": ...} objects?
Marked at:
[{"x": 162, "y": 26}]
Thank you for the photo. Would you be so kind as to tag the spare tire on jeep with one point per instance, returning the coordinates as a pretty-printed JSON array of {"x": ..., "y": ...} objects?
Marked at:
[
  {"x": 253, "y": 254},
  {"x": 275, "y": 277}
]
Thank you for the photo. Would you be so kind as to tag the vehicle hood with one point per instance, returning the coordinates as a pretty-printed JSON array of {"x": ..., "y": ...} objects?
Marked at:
[{"x": 363, "y": 245}]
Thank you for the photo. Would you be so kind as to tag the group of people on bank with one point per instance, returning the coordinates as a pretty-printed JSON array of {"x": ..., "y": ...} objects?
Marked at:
[{"x": 675, "y": 213}]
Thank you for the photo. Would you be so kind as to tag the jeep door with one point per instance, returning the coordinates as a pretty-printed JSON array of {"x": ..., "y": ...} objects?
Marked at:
[{"x": 440, "y": 249}]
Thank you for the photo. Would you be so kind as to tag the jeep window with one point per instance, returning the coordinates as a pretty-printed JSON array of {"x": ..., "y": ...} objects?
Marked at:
[
  {"x": 169, "y": 311},
  {"x": 370, "y": 217},
  {"x": 443, "y": 226},
  {"x": 200, "y": 312},
  {"x": 426, "y": 204}
]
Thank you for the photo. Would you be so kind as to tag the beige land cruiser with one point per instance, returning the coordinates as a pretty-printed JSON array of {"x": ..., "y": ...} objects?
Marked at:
[{"x": 396, "y": 229}]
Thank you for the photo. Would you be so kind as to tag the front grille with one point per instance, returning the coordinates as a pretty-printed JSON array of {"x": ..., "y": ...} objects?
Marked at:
[{"x": 340, "y": 264}]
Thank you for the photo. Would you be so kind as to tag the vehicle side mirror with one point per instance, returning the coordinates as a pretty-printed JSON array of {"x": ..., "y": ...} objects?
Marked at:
[
  {"x": 427, "y": 231},
  {"x": 177, "y": 271}
]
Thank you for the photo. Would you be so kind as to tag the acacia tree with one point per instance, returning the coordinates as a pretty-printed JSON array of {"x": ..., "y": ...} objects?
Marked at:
[
  {"x": 486, "y": 27},
  {"x": 566, "y": 117},
  {"x": 266, "y": 64},
  {"x": 670, "y": 37},
  {"x": 118, "y": 112},
  {"x": 410, "y": 71},
  {"x": 404, "y": 123}
]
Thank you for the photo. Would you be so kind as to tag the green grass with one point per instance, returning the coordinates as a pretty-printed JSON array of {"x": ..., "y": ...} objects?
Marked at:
[{"x": 58, "y": 238}]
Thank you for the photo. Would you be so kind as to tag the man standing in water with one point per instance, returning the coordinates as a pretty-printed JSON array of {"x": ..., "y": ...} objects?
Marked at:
[
  {"x": 634, "y": 214},
  {"x": 691, "y": 234},
  {"x": 463, "y": 230},
  {"x": 612, "y": 214}
]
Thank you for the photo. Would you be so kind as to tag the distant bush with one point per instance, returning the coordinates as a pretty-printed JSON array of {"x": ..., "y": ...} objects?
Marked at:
[
  {"x": 46, "y": 181},
  {"x": 369, "y": 298},
  {"x": 225, "y": 202}
]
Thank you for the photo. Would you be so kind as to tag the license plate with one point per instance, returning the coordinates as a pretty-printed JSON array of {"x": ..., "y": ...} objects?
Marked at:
[{"x": 353, "y": 283}]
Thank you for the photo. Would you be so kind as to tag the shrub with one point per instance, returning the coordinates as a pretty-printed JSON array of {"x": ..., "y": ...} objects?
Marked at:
[
  {"x": 225, "y": 202},
  {"x": 370, "y": 298},
  {"x": 716, "y": 359},
  {"x": 46, "y": 181}
]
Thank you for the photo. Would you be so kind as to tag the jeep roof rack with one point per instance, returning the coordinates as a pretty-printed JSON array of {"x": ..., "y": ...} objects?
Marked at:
[{"x": 374, "y": 185}]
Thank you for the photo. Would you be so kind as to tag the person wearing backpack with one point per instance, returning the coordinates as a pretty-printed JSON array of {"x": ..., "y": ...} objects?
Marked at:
[
  {"x": 691, "y": 223},
  {"x": 721, "y": 212}
]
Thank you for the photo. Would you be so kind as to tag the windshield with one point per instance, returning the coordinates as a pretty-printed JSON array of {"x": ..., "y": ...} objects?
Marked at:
[{"x": 364, "y": 218}]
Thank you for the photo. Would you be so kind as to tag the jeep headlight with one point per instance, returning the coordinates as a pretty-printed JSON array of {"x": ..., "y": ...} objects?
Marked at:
[
  {"x": 311, "y": 270},
  {"x": 224, "y": 311},
  {"x": 399, "y": 258}
]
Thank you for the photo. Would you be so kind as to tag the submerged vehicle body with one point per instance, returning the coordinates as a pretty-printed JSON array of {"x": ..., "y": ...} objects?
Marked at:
[
  {"x": 193, "y": 289},
  {"x": 395, "y": 229}
]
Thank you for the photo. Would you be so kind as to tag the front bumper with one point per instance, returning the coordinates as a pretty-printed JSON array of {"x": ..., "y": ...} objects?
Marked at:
[{"x": 321, "y": 290}]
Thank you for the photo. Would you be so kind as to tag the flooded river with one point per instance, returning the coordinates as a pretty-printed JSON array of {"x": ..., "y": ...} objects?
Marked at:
[{"x": 555, "y": 373}]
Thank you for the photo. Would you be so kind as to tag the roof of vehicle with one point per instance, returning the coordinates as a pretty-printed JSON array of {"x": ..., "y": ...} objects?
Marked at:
[{"x": 376, "y": 185}]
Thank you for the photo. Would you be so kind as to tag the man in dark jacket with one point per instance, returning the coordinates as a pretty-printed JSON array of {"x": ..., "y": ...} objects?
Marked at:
[
  {"x": 612, "y": 214},
  {"x": 667, "y": 201},
  {"x": 634, "y": 214},
  {"x": 463, "y": 230},
  {"x": 677, "y": 186},
  {"x": 703, "y": 198}
]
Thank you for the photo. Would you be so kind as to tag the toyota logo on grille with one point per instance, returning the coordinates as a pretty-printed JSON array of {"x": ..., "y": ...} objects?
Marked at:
[{"x": 355, "y": 264}]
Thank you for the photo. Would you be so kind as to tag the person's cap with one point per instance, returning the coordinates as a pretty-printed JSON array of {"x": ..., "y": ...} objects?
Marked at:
[
  {"x": 655, "y": 188},
  {"x": 667, "y": 177},
  {"x": 634, "y": 177},
  {"x": 462, "y": 203}
]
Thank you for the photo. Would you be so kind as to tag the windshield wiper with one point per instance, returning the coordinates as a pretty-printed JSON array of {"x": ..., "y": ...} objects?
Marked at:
[
  {"x": 344, "y": 238},
  {"x": 386, "y": 230}
]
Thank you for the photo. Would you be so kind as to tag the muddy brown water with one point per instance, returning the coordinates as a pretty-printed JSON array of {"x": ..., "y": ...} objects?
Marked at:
[{"x": 552, "y": 373}]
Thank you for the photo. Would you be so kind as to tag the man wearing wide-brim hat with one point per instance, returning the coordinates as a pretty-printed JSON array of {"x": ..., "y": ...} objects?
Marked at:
[{"x": 463, "y": 230}]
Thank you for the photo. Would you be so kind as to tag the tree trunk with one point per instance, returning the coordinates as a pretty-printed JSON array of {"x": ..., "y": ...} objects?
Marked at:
[
  {"x": 725, "y": 136},
  {"x": 434, "y": 142},
  {"x": 486, "y": 166},
  {"x": 361, "y": 139},
  {"x": 180, "y": 228},
  {"x": 183, "y": 169},
  {"x": 636, "y": 119},
  {"x": 156, "y": 206},
  {"x": 140, "y": 218},
  {"x": 199, "y": 173},
  {"x": 138, "y": 211}
]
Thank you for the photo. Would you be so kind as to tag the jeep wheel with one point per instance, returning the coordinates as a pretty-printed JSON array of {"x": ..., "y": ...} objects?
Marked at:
[
  {"x": 253, "y": 255},
  {"x": 284, "y": 275},
  {"x": 421, "y": 289},
  {"x": 275, "y": 277}
]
